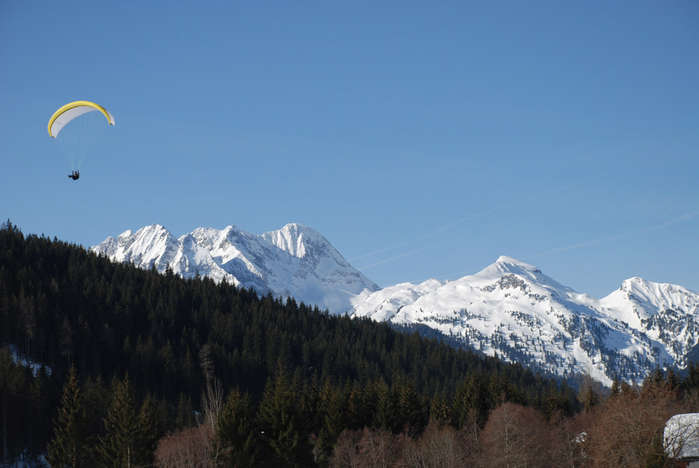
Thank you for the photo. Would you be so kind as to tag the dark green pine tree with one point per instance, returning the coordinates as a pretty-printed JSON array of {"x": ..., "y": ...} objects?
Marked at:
[
  {"x": 692, "y": 379},
  {"x": 119, "y": 446},
  {"x": 184, "y": 416},
  {"x": 150, "y": 431},
  {"x": 278, "y": 416},
  {"x": 412, "y": 410},
  {"x": 671, "y": 380},
  {"x": 10, "y": 383},
  {"x": 96, "y": 397},
  {"x": 385, "y": 409},
  {"x": 440, "y": 412},
  {"x": 361, "y": 407},
  {"x": 68, "y": 446},
  {"x": 332, "y": 404},
  {"x": 236, "y": 432},
  {"x": 42, "y": 394}
]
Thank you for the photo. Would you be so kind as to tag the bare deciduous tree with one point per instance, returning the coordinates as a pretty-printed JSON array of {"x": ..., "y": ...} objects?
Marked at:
[
  {"x": 189, "y": 448},
  {"x": 345, "y": 453},
  {"x": 367, "y": 448},
  {"x": 627, "y": 430},
  {"x": 515, "y": 436},
  {"x": 440, "y": 446}
]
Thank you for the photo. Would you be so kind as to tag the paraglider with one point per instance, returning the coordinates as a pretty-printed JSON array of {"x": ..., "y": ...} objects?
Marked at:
[
  {"x": 70, "y": 111},
  {"x": 67, "y": 113}
]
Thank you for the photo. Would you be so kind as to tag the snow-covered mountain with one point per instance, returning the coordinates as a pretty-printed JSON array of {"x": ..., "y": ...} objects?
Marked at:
[
  {"x": 513, "y": 309},
  {"x": 509, "y": 308},
  {"x": 665, "y": 312},
  {"x": 293, "y": 261}
]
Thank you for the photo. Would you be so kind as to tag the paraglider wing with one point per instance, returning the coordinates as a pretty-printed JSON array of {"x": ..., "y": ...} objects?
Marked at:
[{"x": 74, "y": 109}]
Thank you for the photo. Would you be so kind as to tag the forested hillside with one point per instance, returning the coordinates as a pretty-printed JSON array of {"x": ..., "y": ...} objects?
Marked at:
[{"x": 101, "y": 361}]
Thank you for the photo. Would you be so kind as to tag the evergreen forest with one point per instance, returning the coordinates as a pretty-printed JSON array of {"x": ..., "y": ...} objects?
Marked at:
[{"x": 105, "y": 364}]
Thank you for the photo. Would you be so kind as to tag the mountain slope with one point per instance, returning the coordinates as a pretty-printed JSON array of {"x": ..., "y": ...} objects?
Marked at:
[
  {"x": 292, "y": 261},
  {"x": 510, "y": 308},
  {"x": 513, "y": 309},
  {"x": 664, "y": 312}
]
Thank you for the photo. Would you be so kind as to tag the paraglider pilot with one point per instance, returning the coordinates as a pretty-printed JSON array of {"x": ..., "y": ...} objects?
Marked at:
[{"x": 75, "y": 175}]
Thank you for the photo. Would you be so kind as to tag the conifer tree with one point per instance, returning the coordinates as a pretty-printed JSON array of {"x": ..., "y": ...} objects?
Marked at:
[
  {"x": 67, "y": 448},
  {"x": 385, "y": 409},
  {"x": 184, "y": 415},
  {"x": 236, "y": 432},
  {"x": 9, "y": 383},
  {"x": 439, "y": 410},
  {"x": 119, "y": 446},
  {"x": 332, "y": 403},
  {"x": 587, "y": 395},
  {"x": 95, "y": 398},
  {"x": 413, "y": 417},
  {"x": 671, "y": 380},
  {"x": 357, "y": 415},
  {"x": 41, "y": 404},
  {"x": 279, "y": 421},
  {"x": 149, "y": 430}
]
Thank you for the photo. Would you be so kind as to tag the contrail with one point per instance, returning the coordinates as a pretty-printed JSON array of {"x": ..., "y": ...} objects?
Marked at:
[
  {"x": 384, "y": 249},
  {"x": 624, "y": 235},
  {"x": 427, "y": 235},
  {"x": 395, "y": 257},
  {"x": 440, "y": 229},
  {"x": 670, "y": 222}
]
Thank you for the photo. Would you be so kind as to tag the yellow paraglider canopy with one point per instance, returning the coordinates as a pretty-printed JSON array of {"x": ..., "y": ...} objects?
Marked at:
[{"x": 74, "y": 109}]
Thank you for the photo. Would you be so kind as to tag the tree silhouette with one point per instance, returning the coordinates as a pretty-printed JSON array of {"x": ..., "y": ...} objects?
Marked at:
[{"x": 68, "y": 446}]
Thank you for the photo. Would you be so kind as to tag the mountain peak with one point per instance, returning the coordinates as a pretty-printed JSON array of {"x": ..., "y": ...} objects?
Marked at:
[
  {"x": 629, "y": 282},
  {"x": 295, "y": 230},
  {"x": 298, "y": 240},
  {"x": 508, "y": 265},
  {"x": 638, "y": 286},
  {"x": 292, "y": 261},
  {"x": 152, "y": 227},
  {"x": 296, "y": 227},
  {"x": 227, "y": 230},
  {"x": 505, "y": 260},
  {"x": 658, "y": 295}
]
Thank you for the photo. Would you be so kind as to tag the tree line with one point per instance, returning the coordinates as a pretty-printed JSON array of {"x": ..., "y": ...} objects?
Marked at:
[{"x": 132, "y": 367}]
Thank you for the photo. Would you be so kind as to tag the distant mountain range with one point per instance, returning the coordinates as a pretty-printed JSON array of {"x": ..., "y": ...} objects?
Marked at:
[
  {"x": 509, "y": 308},
  {"x": 513, "y": 309}
]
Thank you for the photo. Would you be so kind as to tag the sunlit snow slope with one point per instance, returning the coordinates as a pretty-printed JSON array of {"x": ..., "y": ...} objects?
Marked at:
[
  {"x": 293, "y": 261},
  {"x": 513, "y": 309}
]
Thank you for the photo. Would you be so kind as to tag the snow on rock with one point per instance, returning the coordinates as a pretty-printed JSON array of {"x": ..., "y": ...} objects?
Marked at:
[
  {"x": 664, "y": 312},
  {"x": 293, "y": 261},
  {"x": 385, "y": 306},
  {"x": 513, "y": 309}
]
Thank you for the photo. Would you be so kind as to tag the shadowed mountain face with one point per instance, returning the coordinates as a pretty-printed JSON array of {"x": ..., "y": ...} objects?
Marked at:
[
  {"x": 292, "y": 261},
  {"x": 693, "y": 355}
]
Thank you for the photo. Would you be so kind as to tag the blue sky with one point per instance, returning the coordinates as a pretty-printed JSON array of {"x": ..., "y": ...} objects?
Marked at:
[{"x": 422, "y": 140}]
